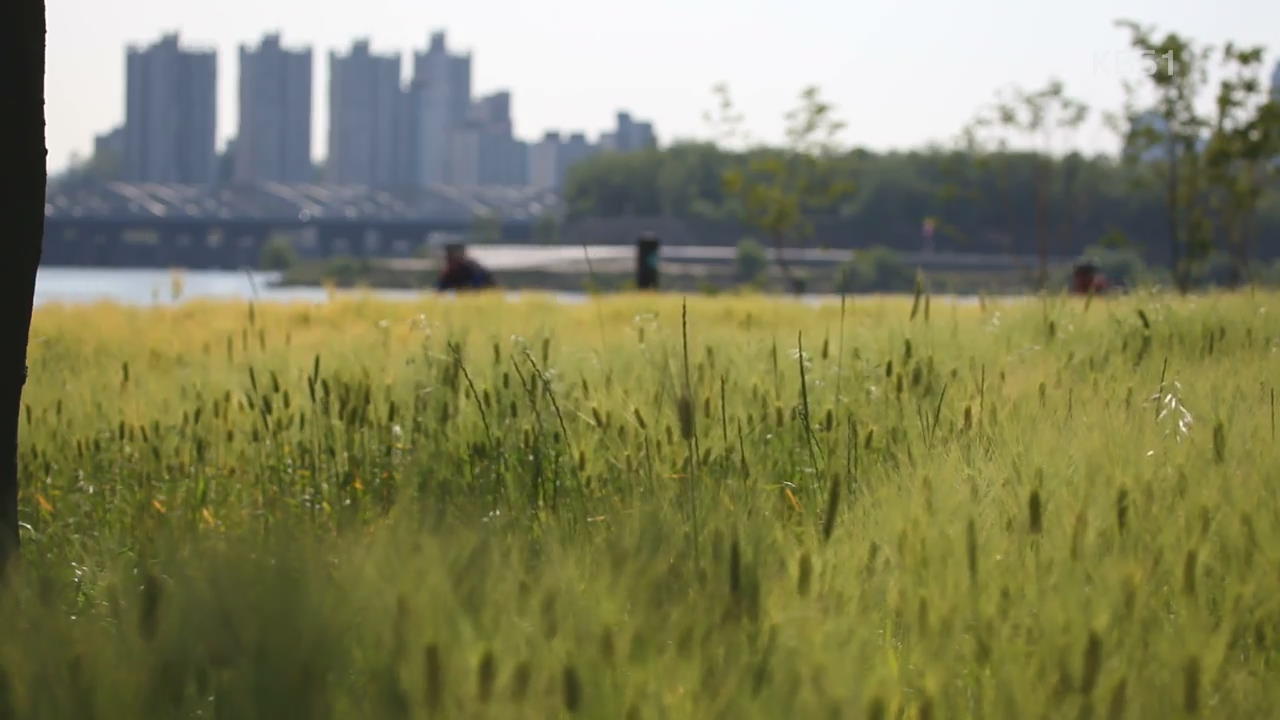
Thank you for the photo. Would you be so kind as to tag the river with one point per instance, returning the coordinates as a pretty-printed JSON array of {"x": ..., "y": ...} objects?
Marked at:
[
  {"x": 140, "y": 286},
  {"x": 146, "y": 287}
]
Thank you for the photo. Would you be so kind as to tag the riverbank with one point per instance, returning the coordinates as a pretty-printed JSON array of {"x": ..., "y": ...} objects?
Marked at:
[{"x": 612, "y": 272}]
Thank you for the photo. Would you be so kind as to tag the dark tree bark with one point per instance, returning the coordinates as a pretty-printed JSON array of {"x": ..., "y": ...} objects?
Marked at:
[
  {"x": 22, "y": 191},
  {"x": 1173, "y": 194}
]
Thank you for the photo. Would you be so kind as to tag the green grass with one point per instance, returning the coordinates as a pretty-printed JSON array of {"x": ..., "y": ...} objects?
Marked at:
[{"x": 481, "y": 508}]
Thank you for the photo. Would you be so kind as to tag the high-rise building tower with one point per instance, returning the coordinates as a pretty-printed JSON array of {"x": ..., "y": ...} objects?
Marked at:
[
  {"x": 550, "y": 159},
  {"x": 629, "y": 135},
  {"x": 170, "y": 114},
  {"x": 484, "y": 151},
  {"x": 545, "y": 161},
  {"x": 274, "y": 139},
  {"x": 1275, "y": 83},
  {"x": 441, "y": 101},
  {"x": 365, "y": 107}
]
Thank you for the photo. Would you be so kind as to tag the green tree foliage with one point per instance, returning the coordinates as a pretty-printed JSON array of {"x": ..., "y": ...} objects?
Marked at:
[
  {"x": 1176, "y": 74},
  {"x": 780, "y": 188},
  {"x": 876, "y": 269},
  {"x": 683, "y": 180},
  {"x": 1185, "y": 187},
  {"x": 546, "y": 229},
  {"x": 278, "y": 254},
  {"x": 984, "y": 201},
  {"x": 1239, "y": 155},
  {"x": 752, "y": 260},
  {"x": 1037, "y": 119},
  {"x": 1121, "y": 264}
]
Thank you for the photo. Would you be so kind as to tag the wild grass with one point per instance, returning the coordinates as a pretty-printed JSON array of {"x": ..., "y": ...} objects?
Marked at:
[{"x": 739, "y": 507}]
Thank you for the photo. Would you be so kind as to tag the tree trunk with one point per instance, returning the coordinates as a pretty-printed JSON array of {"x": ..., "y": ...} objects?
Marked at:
[
  {"x": 22, "y": 37},
  {"x": 1175, "y": 255},
  {"x": 1043, "y": 179},
  {"x": 780, "y": 257}
]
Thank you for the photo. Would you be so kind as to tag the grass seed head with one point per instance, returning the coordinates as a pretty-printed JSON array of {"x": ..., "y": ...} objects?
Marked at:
[
  {"x": 1077, "y": 534},
  {"x": 805, "y": 575},
  {"x": 1034, "y": 512},
  {"x": 149, "y": 607},
  {"x": 433, "y": 678},
  {"x": 1122, "y": 509},
  {"x": 1191, "y": 686},
  {"x": 1092, "y": 663},
  {"x": 486, "y": 675},
  {"x": 685, "y": 409},
  {"x": 971, "y": 550},
  {"x": 1115, "y": 707},
  {"x": 925, "y": 709},
  {"x": 1189, "y": 573},
  {"x": 876, "y": 709},
  {"x": 520, "y": 679},
  {"x": 572, "y": 690},
  {"x": 735, "y": 570}
]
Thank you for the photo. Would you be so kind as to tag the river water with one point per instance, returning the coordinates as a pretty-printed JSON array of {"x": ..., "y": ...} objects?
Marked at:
[
  {"x": 138, "y": 286},
  {"x": 132, "y": 286}
]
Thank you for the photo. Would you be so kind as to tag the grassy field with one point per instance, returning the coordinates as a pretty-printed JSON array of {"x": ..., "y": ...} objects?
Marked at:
[{"x": 749, "y": 507}]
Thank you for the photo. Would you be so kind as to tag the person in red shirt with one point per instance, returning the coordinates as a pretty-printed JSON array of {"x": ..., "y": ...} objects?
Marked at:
[{"x": 1086, "y": 279}]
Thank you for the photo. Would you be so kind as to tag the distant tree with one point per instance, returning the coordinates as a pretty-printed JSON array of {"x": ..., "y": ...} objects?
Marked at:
[
  {"x": 614, "y": 184},
  {"x": 875, "y": 269},
  {"x": 1241, "y": 151},
  {"x": 752, "y": 260},
  {"x": 22, "y": 45},
  {"x": 1176, "y": 74},
  {"x": 278, "y": 254},
  {"x": 690, "y": 181},
  {"x": 546, "y": 229},
  {"x": 981, "y": 191},
  {"x": 779, "y": 188},
  {"x": 1038, "y": 116}
]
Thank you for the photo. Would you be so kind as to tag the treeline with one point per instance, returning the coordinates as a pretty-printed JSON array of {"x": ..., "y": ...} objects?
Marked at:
[
  {"x": 980, "y": 202},
  {"x": 1196, "y": 180}
]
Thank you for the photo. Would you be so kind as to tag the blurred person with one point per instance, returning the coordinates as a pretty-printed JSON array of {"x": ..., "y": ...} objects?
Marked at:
[
  {"x": 462, "y": 272},
  {"x": 1087, "y": 279}
]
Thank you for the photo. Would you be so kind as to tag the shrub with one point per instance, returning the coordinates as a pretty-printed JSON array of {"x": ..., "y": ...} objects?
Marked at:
[
  {"x": 875, "y": 269},
  {"x": 345, "y": 271},
  {"x": 1121, "y": 265},
  {"x": 752, "y": 260},
  {"x": 278, "y": 254}
]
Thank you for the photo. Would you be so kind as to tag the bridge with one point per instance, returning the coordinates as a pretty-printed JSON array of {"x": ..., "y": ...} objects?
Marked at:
[
  {"x": 121, "y": 224},
  {"x": 162, "y": 225}
]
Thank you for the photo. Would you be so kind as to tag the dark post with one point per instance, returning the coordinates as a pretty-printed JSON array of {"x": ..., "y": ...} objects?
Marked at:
[
  {"x": 22, "y": 29},
  {"x": 647, "y": 250}
]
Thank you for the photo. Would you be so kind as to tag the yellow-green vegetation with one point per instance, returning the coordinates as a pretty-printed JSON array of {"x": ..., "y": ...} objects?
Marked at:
[{"x": 749, "y": 507}]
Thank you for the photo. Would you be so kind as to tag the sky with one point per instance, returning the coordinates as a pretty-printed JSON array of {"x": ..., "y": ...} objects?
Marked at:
[{"x": 901, "y": 74}]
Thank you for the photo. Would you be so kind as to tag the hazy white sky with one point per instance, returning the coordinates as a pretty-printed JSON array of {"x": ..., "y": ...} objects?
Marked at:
[{"x": 901, "y": 73}]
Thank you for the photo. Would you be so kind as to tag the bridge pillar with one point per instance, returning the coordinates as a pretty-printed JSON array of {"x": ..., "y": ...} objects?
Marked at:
[
  {"x": 246, "y": 247},
  {"x": 336, "y": 241}
]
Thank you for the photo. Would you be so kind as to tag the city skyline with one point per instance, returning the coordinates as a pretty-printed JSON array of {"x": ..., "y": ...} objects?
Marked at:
[
  {"x": 385, "y": 130},
  {"x": 901, "y": 77}
]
